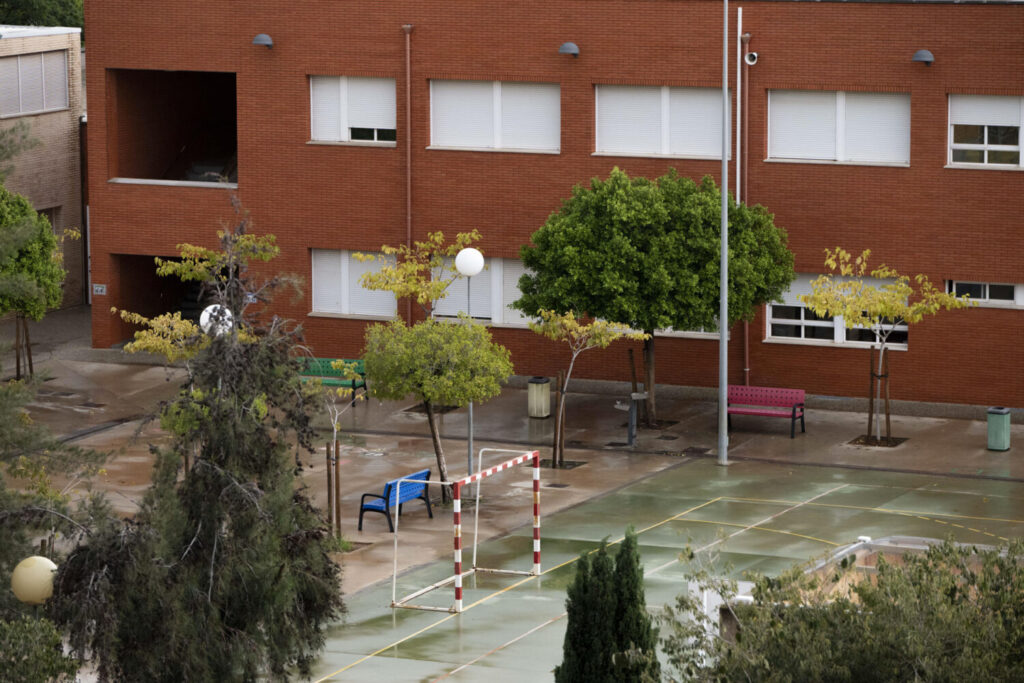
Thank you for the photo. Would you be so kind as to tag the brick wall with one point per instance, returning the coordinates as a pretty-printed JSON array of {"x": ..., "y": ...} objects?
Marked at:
[{"x": 945, "y": 222}]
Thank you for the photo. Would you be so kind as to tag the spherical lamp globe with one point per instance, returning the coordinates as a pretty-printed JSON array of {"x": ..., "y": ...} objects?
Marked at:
[
  {"x": 32, "y": 580},
  {"x": 216, "y": 320},
  {"x": 469, "y": 262}
]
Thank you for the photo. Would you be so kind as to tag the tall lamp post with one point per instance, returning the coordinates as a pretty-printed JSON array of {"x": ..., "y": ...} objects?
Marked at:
[
  {"x": 469, "y": 262},
  {"x": 723, "y": 308}
]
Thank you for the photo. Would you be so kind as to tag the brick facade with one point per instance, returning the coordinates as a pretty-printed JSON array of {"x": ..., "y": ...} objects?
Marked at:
[
  {"x": 949, "y": 223},
  {"x": 49, "y": 174}
]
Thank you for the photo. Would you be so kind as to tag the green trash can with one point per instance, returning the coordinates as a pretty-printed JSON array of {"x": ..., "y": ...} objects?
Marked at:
[{"x": 999, "y": 429}]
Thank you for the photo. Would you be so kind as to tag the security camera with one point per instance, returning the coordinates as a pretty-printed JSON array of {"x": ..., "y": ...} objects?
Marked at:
[{"x": 750, "y": 58}]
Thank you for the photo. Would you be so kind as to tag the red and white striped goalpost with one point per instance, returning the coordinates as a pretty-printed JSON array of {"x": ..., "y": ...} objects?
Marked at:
[{"x": 457, "y": 487}]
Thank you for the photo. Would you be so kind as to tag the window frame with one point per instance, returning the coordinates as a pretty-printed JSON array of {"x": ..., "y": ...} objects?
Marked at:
[
  {"x": 665, "y": 119},
  {"x": 985, "y": 147},
  {"x": 841, "y": 155},
  {"x": 497, "y": 122},
  {"x": 499, "y": 314},
  {"x": 344, "y": 129},
  {"x": 347, "y": 309},
  {"x": 42, "y": 84},
  {"x": 840, "y": 332},
  {"x": 1017, "y": 301}
]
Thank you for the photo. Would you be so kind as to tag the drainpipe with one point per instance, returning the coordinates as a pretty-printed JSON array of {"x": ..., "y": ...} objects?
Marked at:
[
  {"x": 408, "y": 150},
  {"x": 740, "y": 97}
]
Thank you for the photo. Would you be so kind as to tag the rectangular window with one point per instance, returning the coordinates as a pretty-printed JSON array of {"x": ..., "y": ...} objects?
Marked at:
[
  {"x": 791, "y": 321},
  {"x": 985, "y": 129},
  {"x": 853, "y": 127},
  {"x": 33, "y": 83},
  {"x": 988, "y": 293},
  {"x": 495, "y": 115},
  {"x": 659, "y": 121},
  {"x": 350, "y": 108},
  {"x": 492, "y": 291},
  {"x": 336, "y": 286}
]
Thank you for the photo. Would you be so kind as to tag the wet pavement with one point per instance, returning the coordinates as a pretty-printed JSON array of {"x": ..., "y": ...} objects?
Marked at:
[{"x": 784, "y": 499}]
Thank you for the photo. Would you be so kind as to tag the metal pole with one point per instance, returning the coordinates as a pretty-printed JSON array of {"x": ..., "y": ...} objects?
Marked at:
[
  {"x": 469, "y": 312},
  {"x": 723, "y": 308}
]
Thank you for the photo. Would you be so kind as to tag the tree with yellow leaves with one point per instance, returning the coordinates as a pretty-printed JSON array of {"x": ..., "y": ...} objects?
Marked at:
[
  {"x": 843, "y": 293},
  {"x": 580, "y": 336}
]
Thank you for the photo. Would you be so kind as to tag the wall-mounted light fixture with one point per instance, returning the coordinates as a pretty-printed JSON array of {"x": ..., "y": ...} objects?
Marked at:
[
  {"x": 569, "y": 49},
  {"x": 264, "y": 40},
  {"x": 923, "y": 56}
]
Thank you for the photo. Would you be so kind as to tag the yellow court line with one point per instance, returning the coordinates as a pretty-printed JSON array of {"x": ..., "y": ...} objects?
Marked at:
[
  {"x": 504, "y": 590},
  {"x": 762, "y": 528},
  {"x": 897, "y": 511}
]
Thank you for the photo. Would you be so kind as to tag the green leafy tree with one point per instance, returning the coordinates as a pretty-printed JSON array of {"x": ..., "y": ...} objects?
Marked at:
[
  {"x": 224, "y": 574},
  {"x": 952, "y": 613},
  {"x": 609, "y": 636},
  {"x": 580, "y": 336},
  {"x": 895, "y": 301},
  {"x": 41, "y": 13},
  {"x": 590, "y": 632},
  {"x": 646, "y": 255},
  {"x": 636, "y": 639},
  {"x": 31, "y": 652},
  {"x": 440, "y": 363}
]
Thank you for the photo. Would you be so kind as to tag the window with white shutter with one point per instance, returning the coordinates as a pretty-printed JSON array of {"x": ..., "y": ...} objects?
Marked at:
[
  {"x": 352, "y": 109},
  {"x": 853, "y": 127},
  {"x": 985, "y": 130},
  {"x": 658, "y": 121},
  {"x": 486, "y": 115},
  {"x": 478, "y": 303},
  {"x": 337, "y": 287},
  {"x": 33, "y": 83}
]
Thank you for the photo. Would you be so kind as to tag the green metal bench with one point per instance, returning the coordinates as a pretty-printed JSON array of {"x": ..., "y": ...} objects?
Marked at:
[{"x": 322, "y": 369}]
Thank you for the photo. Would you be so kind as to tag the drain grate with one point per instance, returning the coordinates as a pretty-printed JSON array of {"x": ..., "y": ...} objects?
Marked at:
[
  {"x": 695, "y": 450},
  {"x": 557, "y": 486}
]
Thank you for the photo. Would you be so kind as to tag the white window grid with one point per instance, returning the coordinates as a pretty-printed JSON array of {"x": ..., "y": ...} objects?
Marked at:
[
  {"x": 992, "y": 154},
  {"x": 386, "y": 133},
  {"x": 812, "y": 329},
  {"x": 13, "y": 73},
  {"x": 841, "y": 153},
  {"x": 498, "y": 122},
  {"x": 989, "y": 294},
  {"x": 667, "y": 133}
]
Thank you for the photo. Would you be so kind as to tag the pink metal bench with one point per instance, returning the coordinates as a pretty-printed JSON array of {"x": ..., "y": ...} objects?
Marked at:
[{"x": 744, "y": 400}]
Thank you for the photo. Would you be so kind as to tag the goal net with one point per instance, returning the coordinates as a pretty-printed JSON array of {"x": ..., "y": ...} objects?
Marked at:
[{"x": 460, "y": 489}]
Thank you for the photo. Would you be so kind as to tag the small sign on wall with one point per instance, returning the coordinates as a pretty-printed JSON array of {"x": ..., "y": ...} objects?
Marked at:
[{"x": 99, "y": 290}]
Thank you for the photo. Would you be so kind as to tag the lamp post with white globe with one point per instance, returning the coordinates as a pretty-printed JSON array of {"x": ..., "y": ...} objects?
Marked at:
[
  {"x": 469, "y": 262},
  {"x": 32, "y": 580}
]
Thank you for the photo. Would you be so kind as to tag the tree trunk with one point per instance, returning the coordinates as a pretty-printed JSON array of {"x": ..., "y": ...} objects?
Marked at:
[
  {"x": 442, "y": 466},
  {"x": 878, "y": 397},
  {"x": 652, "y": 416}
]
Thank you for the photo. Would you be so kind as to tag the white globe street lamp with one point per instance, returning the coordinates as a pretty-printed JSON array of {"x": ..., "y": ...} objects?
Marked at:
[
  {"x": 469, "y": 262},
  {"x": 216, "y": 320},
  {"x": 32, "y": 580}
]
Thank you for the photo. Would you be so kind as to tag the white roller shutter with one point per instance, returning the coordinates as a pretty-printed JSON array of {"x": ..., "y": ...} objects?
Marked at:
[
  {"x": 462, "y": 113},
  {"x": 628, "y": 119},
  {"x": 802, "y": 124},
  {"x": 695, "y": 121},
  {"x": 31, "y": 67},
  {"x": 10, "y": 100},
  {"x": 512, "y": 270},
  {"x": 371, "y": 103},
  {"x": 877, "y": 127},
  {"x": 456, "y": 303},
  {"x": 55, "y": 70},
  {"x": 985, "y": 110},
  {"x": 327, "y": 281},
  {"x": 364, "y": 301},
  {"x": 531, "y": 116},
  {"x": 325, "y": 108}
]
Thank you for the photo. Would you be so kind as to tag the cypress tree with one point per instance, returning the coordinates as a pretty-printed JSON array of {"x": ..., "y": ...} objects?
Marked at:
[
  {"x": 636, "y": 638},
  {"x": 590, "y": 632}
]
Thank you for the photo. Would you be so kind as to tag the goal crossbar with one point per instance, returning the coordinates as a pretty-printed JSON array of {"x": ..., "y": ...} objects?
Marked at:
[{"x": 457, "y": 491}]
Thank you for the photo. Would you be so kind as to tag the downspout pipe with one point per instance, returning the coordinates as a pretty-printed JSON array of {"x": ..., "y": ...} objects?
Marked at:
[{"x": 407, "y": 28}]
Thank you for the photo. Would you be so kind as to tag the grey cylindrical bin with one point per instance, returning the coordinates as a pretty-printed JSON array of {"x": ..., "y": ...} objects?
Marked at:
[
  {"x": 999, "y": 429},
  {"x": 538, "y": 397}
]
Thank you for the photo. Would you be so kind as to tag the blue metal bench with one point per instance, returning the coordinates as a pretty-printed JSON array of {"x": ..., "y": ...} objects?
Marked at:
[{"x": 409, "y": 490}]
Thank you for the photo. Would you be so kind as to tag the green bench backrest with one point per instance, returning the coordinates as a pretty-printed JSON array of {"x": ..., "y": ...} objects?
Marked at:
[{"x": 321, "y": 367}]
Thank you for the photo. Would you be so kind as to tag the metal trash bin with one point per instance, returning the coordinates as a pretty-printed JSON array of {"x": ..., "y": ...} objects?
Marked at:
[
  {"x": 538, "y": 397},
  {"x": 999, "y": 429}
]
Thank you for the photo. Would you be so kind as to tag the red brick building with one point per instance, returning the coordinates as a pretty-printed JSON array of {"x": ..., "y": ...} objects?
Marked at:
[{"x": 367, "y": 123}]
